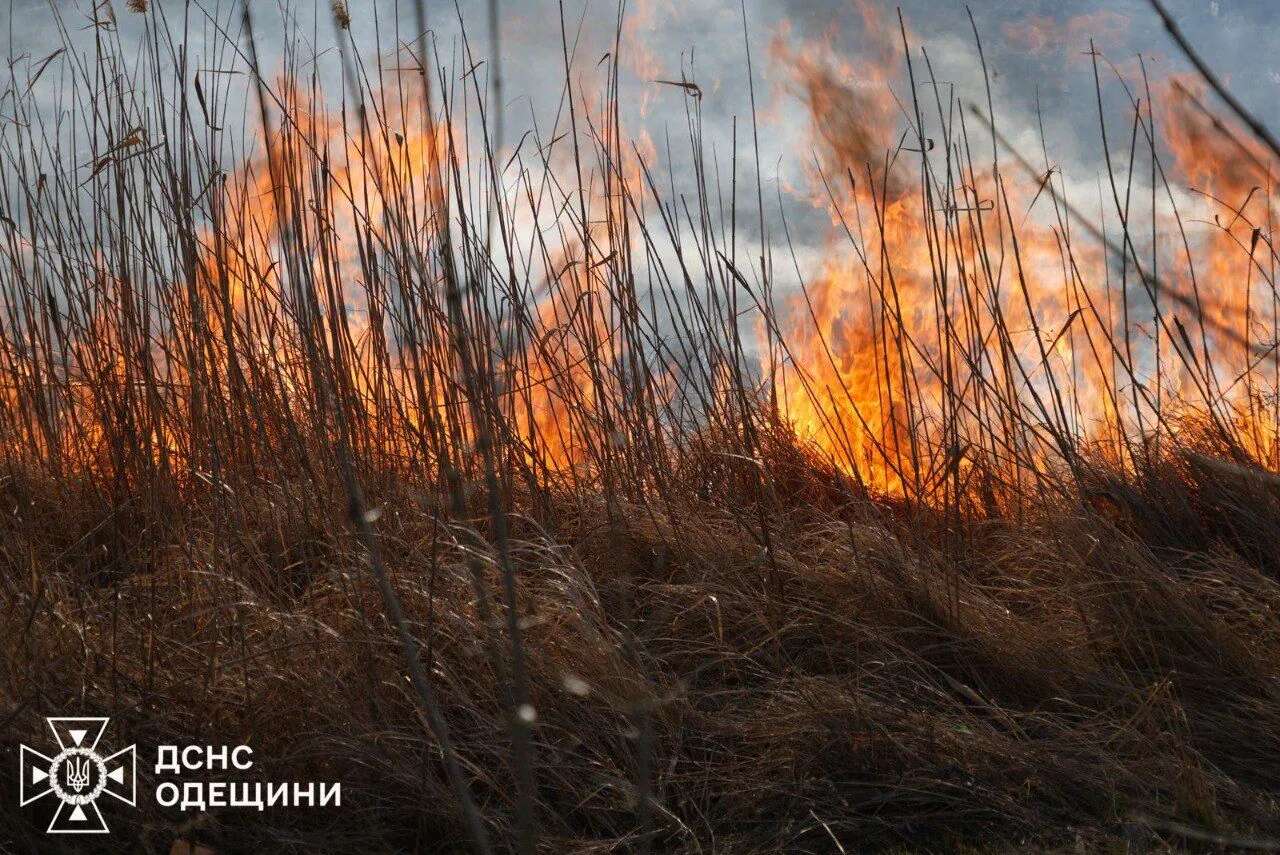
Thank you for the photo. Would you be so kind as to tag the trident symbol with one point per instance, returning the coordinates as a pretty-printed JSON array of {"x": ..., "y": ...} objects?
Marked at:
[{"x": 78, "y": 772}]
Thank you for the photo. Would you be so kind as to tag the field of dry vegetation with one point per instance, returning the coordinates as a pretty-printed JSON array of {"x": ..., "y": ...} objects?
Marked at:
[{"x": 552, "y": 506}]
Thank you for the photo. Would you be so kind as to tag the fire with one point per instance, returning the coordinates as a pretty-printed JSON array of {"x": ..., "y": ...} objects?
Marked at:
[
  {"x": 1231, "y": 267},
  {"x": 955, "y": 312},
  {"x": 909, "y": 328}
]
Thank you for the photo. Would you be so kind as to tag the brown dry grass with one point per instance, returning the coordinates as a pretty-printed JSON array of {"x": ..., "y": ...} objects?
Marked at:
[{"x": 919, "y": 683}]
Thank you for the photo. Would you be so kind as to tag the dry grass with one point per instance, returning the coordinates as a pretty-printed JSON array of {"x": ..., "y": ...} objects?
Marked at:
[
  {"x": 318, "y": 446},
  {"x": 920, "y": 683}
]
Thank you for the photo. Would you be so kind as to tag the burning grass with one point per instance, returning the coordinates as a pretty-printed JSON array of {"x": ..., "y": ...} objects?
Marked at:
[{"x": 509, "y": 488}]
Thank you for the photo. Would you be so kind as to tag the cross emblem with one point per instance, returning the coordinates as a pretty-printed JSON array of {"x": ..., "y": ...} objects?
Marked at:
[{"x": 77, "y": 775}]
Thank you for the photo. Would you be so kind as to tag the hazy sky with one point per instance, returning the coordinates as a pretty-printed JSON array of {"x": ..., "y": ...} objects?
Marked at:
[
  {"x": 1034, "y": 46},
  {"x": 1035, "y": 50}
]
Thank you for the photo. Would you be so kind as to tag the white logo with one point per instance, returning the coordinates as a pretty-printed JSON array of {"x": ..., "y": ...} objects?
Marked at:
[{"x": 77, "y": 775}]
